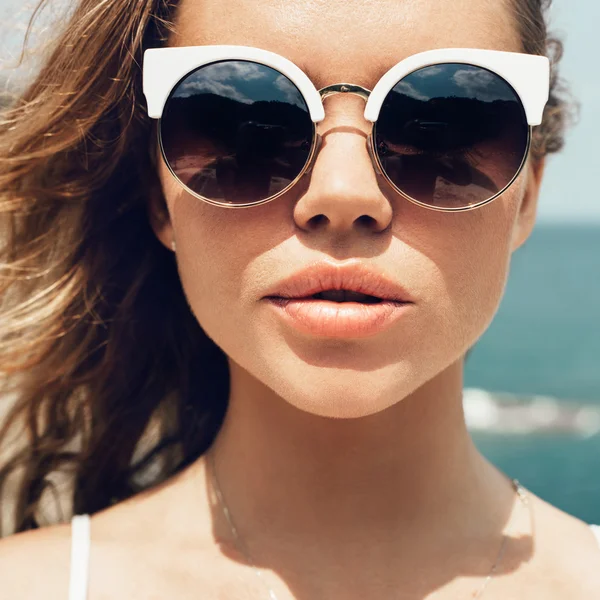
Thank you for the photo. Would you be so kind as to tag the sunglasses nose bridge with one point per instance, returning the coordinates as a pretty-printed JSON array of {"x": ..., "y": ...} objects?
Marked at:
[
  {"x": 345, "y": 88},
  {"x": 355, "y": 90}
]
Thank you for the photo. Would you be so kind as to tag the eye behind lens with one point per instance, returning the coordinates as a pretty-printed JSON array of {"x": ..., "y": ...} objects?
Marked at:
[
  {"x": 236, "y": 132},
  {"x": 451, "y": 135}
]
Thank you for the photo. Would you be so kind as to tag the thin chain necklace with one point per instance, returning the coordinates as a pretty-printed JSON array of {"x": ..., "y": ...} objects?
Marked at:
[{"x": 519, "y": 490}]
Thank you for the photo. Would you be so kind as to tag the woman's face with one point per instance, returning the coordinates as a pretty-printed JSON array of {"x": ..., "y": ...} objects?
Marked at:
[{"x": 454, "y": 265}]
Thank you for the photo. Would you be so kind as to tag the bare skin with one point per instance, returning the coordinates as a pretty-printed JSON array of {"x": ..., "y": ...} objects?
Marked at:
[
  {"x": 172, "y": 542},
  {"x": 347, "y": 466}
]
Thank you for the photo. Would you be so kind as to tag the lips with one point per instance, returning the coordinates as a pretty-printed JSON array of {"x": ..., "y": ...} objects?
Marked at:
[
  {"x": 348, "y": 301},
  {"x": 345, "y": 283}
]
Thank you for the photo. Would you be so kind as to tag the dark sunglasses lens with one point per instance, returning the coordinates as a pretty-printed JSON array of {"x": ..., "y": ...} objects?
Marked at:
[
  {"x": 236, "y": 132},
  {"x": 452, "y": 135}
]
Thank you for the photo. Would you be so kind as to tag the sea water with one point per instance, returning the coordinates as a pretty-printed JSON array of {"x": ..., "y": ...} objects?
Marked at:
[{"x": 545, "y": 340}]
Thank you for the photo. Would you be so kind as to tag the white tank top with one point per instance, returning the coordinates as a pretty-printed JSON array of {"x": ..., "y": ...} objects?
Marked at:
[{"x": 80, "y": 552}]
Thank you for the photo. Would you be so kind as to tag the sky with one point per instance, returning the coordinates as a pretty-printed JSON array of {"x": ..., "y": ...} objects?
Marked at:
[{"x": 570, "y": 190}]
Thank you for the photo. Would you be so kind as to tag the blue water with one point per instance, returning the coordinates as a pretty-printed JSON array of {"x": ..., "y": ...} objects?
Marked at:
[
  {"x": 546, "y": 340},
  {"x": 561, "y": 469}
]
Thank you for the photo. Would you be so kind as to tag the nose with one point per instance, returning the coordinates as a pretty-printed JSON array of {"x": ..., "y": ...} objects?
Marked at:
[{"x": 343, "y": 193}]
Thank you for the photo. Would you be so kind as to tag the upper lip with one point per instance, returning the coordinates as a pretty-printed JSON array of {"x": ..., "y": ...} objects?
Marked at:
[{"x": 326, "y": 276}]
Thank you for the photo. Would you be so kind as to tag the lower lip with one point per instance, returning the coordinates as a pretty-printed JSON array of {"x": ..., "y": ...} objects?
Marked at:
[{"x": 339, "y": 319}]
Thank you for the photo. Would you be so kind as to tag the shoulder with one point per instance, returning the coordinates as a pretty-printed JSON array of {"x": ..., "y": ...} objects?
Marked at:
[
  {"x": 35, "y": 564},
  {"x": 596, "y": 531},
  {"x": 570, "y": 549}
]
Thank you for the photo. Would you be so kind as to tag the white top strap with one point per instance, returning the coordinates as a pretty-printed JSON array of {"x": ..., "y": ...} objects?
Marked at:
[
  {"x": 596, "y": 532},
  {"x": 80, "y": 552}
]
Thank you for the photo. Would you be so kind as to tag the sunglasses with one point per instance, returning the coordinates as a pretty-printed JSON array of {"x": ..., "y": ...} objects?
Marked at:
[{"x": 237, "y": 126}]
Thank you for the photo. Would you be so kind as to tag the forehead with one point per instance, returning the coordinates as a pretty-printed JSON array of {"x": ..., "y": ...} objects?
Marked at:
[{"x": 347, "y": 40}]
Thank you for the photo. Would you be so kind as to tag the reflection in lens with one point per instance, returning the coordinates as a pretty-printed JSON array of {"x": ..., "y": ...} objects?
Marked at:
[
  {"x": 451, "y": 135},
  {"x": 236, "y": 132}
]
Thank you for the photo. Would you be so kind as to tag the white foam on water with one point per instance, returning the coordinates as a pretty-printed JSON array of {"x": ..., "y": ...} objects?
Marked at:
[{"x": 521, "y": 415}]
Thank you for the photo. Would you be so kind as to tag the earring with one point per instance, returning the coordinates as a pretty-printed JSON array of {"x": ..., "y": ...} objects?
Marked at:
[{"x": 173, "y": 245}]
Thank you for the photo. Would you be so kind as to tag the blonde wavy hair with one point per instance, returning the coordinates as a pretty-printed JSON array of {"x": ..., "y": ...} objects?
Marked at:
[{"x": 108, "y": 385}]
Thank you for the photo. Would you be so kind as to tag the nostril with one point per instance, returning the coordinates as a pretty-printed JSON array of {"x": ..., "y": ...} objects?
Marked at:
[
  {"x": 318, "y": 220},
  {"x": 366, "y": 221}
]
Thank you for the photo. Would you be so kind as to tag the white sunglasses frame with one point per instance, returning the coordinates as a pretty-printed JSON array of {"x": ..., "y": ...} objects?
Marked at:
[{"x": 527, "y": 74}]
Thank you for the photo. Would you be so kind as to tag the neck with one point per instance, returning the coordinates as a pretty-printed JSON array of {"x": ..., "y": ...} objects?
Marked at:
[{"x": 411, "y": 469}]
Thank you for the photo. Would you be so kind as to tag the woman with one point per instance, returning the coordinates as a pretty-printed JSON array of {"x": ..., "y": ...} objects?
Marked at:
[{"x": 237, "y": 302}]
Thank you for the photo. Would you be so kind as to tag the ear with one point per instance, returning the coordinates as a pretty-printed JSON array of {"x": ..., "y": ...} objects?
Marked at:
[
  {"x": 528, "y": 209},
  {"x": 158, "y": 214},
  {"x": 158, "y": 210}
]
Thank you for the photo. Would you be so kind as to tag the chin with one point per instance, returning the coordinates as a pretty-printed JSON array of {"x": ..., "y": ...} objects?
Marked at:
[{"x": 343, "y": 394}]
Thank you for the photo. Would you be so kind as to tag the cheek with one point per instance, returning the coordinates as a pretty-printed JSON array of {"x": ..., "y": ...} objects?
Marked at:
[
  {"x": 470, "y": 258},
  {"x": 216, "y": 248}
]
